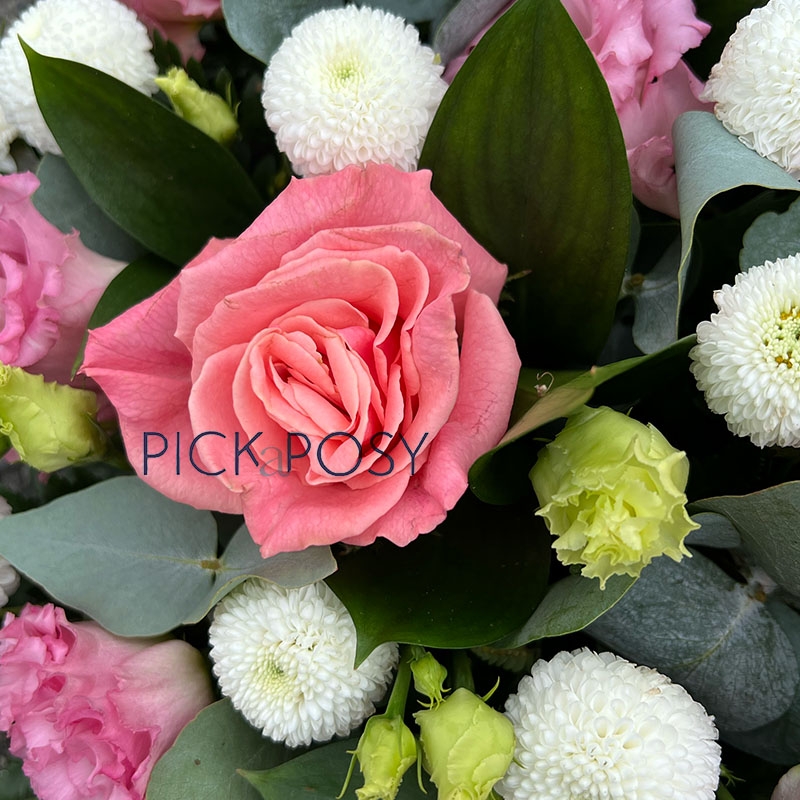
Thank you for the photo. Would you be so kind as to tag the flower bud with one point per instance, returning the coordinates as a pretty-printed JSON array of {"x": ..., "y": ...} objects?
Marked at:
[
  {"x": 385, "y": 751},
  {"x": 467, "y": 746},
  {"x": 429, "y": 677},
  {"x": 612, "y": 492},
  {"x": 49, "y": 425},
  {"x": 206, "y": 111}
]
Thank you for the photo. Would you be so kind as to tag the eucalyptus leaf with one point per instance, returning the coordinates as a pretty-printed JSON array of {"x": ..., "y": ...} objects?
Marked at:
[
  {"x": 159, "y": 178},
  {"x": 13, "y": 783},
  {"x": 416, "y": 10},
  {"x": 462, "y": 25},
  {"x": 709, "y": 161},
  {"x": 692, "y": 622},
  {"x": 450, "y": 588},
  {"x": 569, "y": 606},
  {"x": 715, "y": 531},
  {"x": 771, "y": 236},
  {"x": 769, "y": 524},
  {"x": 62, "y": 200},
  {"x": 320, "y": 775},
  {"x": 137, "y": 562},
  {"x": 522, "y": 139},
  {"x": 623, "y": 379},
  {"x": 207, "y": 755},
  {"x": 259, "y": 26}
]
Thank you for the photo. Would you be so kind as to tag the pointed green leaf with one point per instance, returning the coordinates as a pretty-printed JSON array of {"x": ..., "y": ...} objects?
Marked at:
[
  {"x": 769, "y": 524},
  {"x": 622, "y": 381},
  {"x": 708, "y": 162},
  {"x": 204, "y": 760},
  {"x": 259, "y": 26},
  {"x": 450, "y": 588},
  {"x": 569, "y": 606},
  {"x": 160, "y": 179},
  {"x": 771, "y": 236},
  {"x": 519, "y": 146},
  {"x": 692, "y": 622}
]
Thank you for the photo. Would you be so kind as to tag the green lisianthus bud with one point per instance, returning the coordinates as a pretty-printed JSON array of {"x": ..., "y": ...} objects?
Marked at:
[
  {"x": 429, "y": 676},
  {"x": 386, "y": 749},
  {"x": 612, "y": 492},
  {"x": 51, "y": 426},
  {"x": 206, "y": 111},
  {"x": 467, "y": 746}
]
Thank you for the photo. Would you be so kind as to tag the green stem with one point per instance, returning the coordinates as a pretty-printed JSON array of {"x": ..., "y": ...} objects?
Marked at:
[
  {"x": 462, "y": 671},
  {"x": 723, "y": 793},
  {"x": 397, "y": 700}
]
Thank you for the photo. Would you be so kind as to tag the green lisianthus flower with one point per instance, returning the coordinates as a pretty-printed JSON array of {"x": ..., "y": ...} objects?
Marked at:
[
  {"x": 49, "y": 425},
  {"x": 386, "y": 750},
  {"x": 612, "y": 493}
]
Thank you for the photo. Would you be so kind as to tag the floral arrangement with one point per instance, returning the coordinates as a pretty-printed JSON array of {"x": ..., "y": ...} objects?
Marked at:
[{"x": 400, "y": 399}]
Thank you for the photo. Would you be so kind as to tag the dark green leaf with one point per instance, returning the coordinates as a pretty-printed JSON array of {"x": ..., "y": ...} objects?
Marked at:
[
  {"x": 13, "y": 783},
  {"x": 771, "y": 236},
  {"x": 203, "y": 762},
  {"x": 523, "y": 138},
  {"x": 452, "y": 587},
  {"x": 136, "y": 561},
  {"x": 769, "y": 524},
  {"x": 692, "y": 622},
  {"x": 569, "y": 606},
  {"x": 63, "y": 201},
  {"x": 319, "y": 775},
  {"x": 259, "y": 26},
  {"x": 622, "y": 382},
  {"x": 167, "y": 184}
]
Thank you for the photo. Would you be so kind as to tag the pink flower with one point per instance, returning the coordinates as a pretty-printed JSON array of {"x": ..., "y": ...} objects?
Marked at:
[
  {"x": 177, "y": 20},
  {"x": 90, "y": 713},
  {"x": 49, "y": 284},
  {"x": 355, "y": 305},
  {"x": 638, "y": 45}
]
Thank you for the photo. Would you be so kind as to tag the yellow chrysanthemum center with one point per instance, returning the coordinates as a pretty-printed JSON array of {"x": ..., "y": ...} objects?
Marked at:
[{"x": 782, "y": 340}]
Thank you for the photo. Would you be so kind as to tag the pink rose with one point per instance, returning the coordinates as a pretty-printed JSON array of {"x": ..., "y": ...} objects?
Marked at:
[
  {"x": 177, "y": 20},
  {"x": 90, "y": 713},
  {"x": 355, "y": 305},
  {"x": 50, "y": 284},
  {"x": 638, "y": 45}
]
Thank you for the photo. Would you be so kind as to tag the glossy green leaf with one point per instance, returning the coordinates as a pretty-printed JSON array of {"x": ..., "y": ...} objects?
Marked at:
[
  {"x": 137, "y": 562},
  {"x": 160, "y": 179},
  {"x": 708, "y": 162},
  {"x": 450, "y": 588},
  {"x": 259, "y": 26},
  {"x": 771, "y": 236},
  {"x": 769, "y": 524},
  {"x": 692, "y": 622},
  {"x": 207, "y": 755},
  {"x": 569, "y": 606},
  {"x": 140, "y": 279},
  {"x": 63, "y": 201},
  {"x": 462, "y": 25},
  {"x": 320, "y": 775},
  {"x": 519, "y": 146},
  {"x": 624, "y": 381}
]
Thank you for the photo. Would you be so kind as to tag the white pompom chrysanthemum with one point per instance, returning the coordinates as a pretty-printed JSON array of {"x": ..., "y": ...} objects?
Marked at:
[
  {"x": 754, "y": 85},
  {"x": 747, "y": 357},
  {"x": 593, "y": 726},
  {"x": 285, "y": 658},
  {"x": 103, "y": 34},
  {"x": 7, "y": 135},
  {"x": 349, "y": 86}
]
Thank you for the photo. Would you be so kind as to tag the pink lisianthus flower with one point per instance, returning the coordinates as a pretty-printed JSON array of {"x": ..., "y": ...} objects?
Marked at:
[
  {"x": 638, "y": 45},
  {"x": 90, "y": 713},
  {"x": 49, "y": 285},
  {"x": 351, "y": 335},
  {"x": 177, "y": 20}
]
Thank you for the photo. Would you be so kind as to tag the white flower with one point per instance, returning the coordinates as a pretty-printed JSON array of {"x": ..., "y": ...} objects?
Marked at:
[
  {"x": 100, "y": 33},
  {"x": 747, "y": 359},
  {"x": 754, "y": 85},
  {"x": 285, "y": 658},
  {"x": 7, "y": 135},
  {"x": 9, "y": 580},
  {"x": 352, "y": 85},
  {"x": 593, "y": 726}
]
